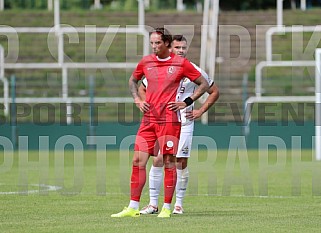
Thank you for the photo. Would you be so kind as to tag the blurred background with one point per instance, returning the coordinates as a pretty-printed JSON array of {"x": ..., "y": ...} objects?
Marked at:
[{"x": 66, "y": 64}]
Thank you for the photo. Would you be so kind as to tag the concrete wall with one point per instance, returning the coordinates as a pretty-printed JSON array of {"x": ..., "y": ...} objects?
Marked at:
[{"x": 117, "y": 136}]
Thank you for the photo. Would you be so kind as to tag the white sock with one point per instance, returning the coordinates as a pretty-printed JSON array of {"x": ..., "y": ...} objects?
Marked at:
[
  {"x": 181, "y": 185},
  {"x": 155, "y": 182},
  {"x": 134, "y": 204},
  {"x": 167, "y": 205}
]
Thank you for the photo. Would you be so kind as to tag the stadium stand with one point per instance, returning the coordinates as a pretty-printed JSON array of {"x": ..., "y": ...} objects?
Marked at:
[{"x": 229, "y": 71}]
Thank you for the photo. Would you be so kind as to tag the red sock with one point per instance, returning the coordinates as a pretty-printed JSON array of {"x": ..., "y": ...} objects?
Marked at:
[
  {"x": 137, "y": 182},
  {"x": 169, "y": 184}
]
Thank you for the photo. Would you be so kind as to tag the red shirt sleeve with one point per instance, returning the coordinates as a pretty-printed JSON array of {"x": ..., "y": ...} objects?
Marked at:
[
  {"x": 138, "y": 73},
  {"x": 190, "y": 71}
]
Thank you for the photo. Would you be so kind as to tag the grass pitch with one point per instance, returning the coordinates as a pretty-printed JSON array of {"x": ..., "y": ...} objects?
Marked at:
[{"x": 229, "y": 191}]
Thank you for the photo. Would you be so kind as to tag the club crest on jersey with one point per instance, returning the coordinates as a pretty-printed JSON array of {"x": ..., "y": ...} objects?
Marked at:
[{"x": 171, "y": 70}]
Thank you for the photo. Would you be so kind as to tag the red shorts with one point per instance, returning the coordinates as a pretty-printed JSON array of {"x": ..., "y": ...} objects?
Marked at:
[{"x": 154, "y": 138}]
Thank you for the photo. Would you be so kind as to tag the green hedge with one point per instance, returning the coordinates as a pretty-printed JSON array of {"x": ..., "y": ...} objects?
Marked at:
[
  {"x": 154, "y": 4},
  {"x": 42, "y": 4}
]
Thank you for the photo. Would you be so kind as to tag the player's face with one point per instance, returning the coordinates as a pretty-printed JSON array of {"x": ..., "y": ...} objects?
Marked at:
[
  {"x": 158, "y": 46},
  {"x": 179, "y": 48}
]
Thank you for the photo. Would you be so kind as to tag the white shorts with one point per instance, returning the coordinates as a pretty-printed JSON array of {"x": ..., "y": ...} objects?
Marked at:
[{"x": 185, "y": 145}]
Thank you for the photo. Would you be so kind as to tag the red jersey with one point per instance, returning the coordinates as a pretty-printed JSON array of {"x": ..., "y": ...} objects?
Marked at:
[{"x": 163, "y": 77}]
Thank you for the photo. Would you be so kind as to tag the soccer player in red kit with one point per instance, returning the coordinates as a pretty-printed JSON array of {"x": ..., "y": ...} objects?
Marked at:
[{"x": 160, "y": 127}]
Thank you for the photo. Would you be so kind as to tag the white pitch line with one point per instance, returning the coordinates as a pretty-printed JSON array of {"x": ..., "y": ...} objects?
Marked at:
[
  {"x": 56, "y": 188},
  {"x": 44, "y": 187}
]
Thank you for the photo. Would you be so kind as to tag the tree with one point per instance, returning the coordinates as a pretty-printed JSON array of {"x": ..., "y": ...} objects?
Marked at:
[{"x": 247, "y": 4}]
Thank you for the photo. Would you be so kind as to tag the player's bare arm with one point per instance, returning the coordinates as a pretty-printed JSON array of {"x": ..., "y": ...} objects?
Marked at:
[
  {"x": 142, "y": 94},
  {"x": 202, "y": 88},
  {"x": 133, "y": 87},
  {"x": 210, "y": 100}
]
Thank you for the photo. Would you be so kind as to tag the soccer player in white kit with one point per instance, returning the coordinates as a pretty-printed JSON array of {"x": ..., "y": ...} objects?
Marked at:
[{"x": 188, "y": 115}]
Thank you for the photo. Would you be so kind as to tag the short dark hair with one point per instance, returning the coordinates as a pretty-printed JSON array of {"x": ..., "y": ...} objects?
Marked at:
[
  {"x": 179, "y": 38},
  {"x": 165, "y": 34}
]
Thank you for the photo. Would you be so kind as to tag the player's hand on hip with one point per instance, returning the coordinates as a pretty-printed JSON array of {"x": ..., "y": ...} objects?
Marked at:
[
  {"x": 142, "y": 105},
  {"x": 192, "y": 115},
  {"x": 175, "y": 106}
]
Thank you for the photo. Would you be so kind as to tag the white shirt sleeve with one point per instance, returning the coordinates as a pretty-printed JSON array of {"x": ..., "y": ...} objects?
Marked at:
[
  {"x": 144, "y": 82},
  {"x": 204, "y": 74}
]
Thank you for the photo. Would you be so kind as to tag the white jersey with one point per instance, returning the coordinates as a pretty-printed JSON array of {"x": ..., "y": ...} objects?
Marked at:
[{"x": 186, "y": 89}]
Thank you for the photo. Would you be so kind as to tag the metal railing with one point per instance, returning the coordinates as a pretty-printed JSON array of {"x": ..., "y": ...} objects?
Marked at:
[
  {"x": 5, "y": 83},
  {"x": 64, "y": 66},
  {"x": 209, "y": 42},
  {"x": 258, "y": 98}
]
